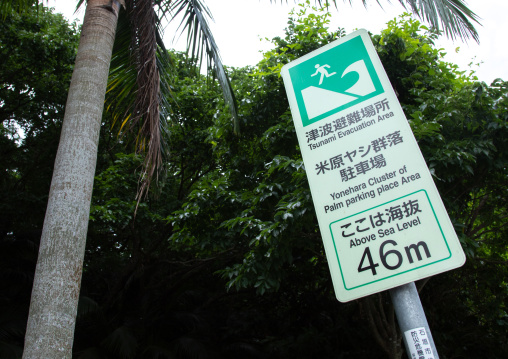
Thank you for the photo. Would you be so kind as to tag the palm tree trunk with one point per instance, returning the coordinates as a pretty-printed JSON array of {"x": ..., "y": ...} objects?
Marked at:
[{"x": 53, "y": 307}]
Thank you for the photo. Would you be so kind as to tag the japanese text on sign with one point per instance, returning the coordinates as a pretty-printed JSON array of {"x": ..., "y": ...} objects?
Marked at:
[
  {"x": 418, "y": 344},
  {"x": 381, "y": 218},
  {"x": 362, "y": 166},
  {"x": 387, "y": 240},
  {"x": 343, "y": 122}
]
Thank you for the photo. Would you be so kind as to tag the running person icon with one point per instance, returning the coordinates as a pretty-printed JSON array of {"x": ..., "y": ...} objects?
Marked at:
[{"x": 322, "y": 70}]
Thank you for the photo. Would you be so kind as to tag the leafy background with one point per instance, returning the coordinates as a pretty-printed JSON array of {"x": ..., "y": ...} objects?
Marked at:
[{"x": 224, "y": 259}]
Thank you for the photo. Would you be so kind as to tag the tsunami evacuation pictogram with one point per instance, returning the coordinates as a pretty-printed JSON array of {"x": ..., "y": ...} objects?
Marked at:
[{"x": 329, "y": 82}]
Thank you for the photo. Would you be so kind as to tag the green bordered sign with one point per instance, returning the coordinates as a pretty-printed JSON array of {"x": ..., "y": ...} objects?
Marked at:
[{"x": 381, "y": 218}]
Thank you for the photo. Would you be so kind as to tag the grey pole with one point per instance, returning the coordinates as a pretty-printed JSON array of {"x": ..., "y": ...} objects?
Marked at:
[{"x": 411, "y": 319}]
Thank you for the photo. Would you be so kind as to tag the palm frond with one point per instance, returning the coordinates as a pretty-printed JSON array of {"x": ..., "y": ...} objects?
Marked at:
[
  {"x": 138, "y": 90},
  {"x": 451, "y": 16},
  {"x": 321, "y": 3},
  {"x": 201, "y": 43},
  {"x": 146, "y": 109},
  {"x": 18, "y": 6},
  {"x": 79, "y": 4}
]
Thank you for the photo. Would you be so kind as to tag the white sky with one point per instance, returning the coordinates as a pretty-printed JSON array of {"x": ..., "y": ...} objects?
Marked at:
[{"x": 241, "y": 24}]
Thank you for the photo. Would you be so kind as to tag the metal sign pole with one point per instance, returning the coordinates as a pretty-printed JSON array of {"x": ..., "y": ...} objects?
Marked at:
[{"x": 413, "y": 323}]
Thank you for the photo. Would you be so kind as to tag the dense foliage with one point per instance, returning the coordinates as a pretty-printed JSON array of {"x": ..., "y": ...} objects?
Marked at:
[
  {"x": 37, "y": 52},
  {"x": 224, "y": 259}
]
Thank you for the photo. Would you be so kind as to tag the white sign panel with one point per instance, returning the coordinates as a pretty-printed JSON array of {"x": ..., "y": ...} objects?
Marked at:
[{"x": 381, "y": 218}]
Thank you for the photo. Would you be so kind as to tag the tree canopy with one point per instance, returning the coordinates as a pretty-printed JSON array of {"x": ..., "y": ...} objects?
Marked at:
[
  {"x": 38, "y": 51},
  {"x": 225, "y": 259}
]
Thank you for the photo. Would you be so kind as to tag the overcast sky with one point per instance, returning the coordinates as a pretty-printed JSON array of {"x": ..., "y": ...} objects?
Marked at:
[{"x": 241, "y": 24}]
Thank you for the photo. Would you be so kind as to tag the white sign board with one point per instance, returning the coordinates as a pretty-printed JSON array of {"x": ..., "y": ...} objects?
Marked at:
[{"x": 380, "y": 215}]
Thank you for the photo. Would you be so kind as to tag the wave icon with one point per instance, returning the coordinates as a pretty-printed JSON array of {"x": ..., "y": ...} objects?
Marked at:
[{"x": 319, "y": 101}]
